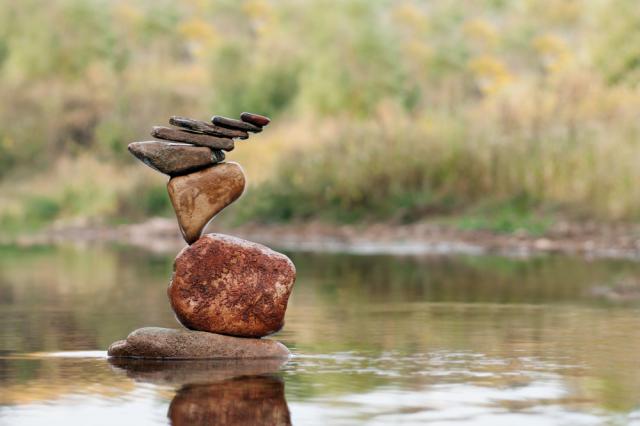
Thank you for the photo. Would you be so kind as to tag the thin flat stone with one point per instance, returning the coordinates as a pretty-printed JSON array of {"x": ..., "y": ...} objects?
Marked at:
[
  {"x": 255, "y": 119},
  {"x": 227, "y": 285},
  {"x": 167, "y": 343},
  {"x": 199, "y": 139},
  {"x": 174, "y": 159},
  {"x": 206, "y": 128},
  {"x": 199, "y": 196},
  {"x": 231, "y": 123}
]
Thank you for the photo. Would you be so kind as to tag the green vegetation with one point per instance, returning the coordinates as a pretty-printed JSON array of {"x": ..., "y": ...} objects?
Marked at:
[{"x": 499, "y": 112}]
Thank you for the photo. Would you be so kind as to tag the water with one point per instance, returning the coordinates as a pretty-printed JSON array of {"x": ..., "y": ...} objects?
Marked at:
[{"x": 376, "y": 340}]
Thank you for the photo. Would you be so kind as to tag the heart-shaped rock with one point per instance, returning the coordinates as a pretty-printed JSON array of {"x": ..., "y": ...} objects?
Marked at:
[{"x": 199, "y": 196}]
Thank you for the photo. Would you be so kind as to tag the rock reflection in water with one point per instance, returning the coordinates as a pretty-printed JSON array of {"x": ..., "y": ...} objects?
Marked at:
[
  {"x": 256, "y": 400},
  {"x": 216, "y": 392}
]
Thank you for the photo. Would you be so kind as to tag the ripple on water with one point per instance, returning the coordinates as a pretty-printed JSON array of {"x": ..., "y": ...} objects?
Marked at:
[{"x": 376, "y": 340}]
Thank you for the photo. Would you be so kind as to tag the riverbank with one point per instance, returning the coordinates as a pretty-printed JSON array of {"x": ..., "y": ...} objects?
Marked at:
[{"x": 428, "y": 238}]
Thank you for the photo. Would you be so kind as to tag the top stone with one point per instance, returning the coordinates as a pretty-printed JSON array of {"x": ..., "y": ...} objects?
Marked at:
[
  {"x": 258, "y": 120},
  {"x": 231, "y": 123}
]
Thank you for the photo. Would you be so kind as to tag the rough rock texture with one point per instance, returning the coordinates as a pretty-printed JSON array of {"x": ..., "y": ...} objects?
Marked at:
[
  {"x": 199, "y": 196},
  {"x": 256, "y": 119},
  {"x": 227, "y": 285},
  {"x": 231, "y": 123},
  {"x": 257, "y": 400},
  {"x": 196, "y": 371},
  {"x": 206, "y": 128},
  {"x": 156, "y": 342},
  {"x": 199, "y": 139},
  {"x": 174, "y": 158}
]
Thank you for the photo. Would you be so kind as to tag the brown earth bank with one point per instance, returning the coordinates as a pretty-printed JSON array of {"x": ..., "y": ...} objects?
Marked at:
[{"x": 162, "y": 235}]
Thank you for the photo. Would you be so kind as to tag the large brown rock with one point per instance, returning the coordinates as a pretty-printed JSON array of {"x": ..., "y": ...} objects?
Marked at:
[
  {"x": 167, "y": 343},
  {"x": 199, "y": 139},
  {"x": 174, "y": 158},
  {"x": 199, "y": 196},
  {"x": 227, "y": 285}
]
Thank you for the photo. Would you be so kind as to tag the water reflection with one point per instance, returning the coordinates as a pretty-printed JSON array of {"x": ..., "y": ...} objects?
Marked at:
[
  {"x": 377, "y": 339},
  {"x": 216, "y": 392},
  {"x": 177, "y": 373},
  {"x": 257, "y": 400}
]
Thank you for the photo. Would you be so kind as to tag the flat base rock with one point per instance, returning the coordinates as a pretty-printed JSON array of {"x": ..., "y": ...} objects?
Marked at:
[{"x": 167, "y": 343}]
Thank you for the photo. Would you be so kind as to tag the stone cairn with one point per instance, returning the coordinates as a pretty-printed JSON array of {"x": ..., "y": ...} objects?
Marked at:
[{"x": 226, "y": 291}]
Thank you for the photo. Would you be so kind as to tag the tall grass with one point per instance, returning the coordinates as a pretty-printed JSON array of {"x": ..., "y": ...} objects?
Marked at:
[
  {"x": 382, "y": 110},
  {"x": 406, "y": 167}
]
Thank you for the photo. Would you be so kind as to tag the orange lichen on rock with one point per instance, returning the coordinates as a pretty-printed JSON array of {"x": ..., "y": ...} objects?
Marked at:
[{"x": 227, "y": 285}]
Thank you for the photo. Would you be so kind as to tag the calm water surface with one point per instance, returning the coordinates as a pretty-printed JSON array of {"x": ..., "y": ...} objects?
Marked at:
[{"x": 376, "y": 340}]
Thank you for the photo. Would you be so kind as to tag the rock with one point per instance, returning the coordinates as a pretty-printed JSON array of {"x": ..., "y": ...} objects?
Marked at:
[
  {"x": 199, "y": 196},
  {"x": 227, "y": 285},
  {"x": 218, "y": 155},
  {"x": 156, "y": 342},
  {"x": 256, "y": 119},
  {"x": 199, "y": 139},
  {"x": 253, "y": 400},
  {"x": 174, "y": 158},
  {"x": 206, "y": 128},
  {"x": 231, "y": 123}
]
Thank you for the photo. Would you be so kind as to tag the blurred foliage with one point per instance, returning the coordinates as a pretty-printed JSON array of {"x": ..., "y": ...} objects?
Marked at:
[{"x": 382, "y": 110}]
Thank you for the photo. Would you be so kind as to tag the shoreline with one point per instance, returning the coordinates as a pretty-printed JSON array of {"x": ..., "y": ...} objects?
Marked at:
[{"x": 161, "y": 235}]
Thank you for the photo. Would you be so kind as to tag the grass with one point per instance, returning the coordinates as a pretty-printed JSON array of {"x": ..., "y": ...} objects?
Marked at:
[
  {"x": 419, "y": 111},
  {"x": 506, "y": 218},
  {"x": 403, "y": 168},
  {"x": 81, "y": 190}
]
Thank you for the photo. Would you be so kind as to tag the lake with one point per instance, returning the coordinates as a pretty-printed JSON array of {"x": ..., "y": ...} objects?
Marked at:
[{"x": 376, "y": 340}]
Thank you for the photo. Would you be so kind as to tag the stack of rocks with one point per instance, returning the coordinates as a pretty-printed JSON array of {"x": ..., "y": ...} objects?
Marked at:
[{"x": 223, "y": 288}]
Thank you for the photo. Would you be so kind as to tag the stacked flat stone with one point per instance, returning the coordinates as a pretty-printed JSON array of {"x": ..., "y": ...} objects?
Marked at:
[
  {"x": 221, "y": 284},
  {"x": 187, "y": 153}
]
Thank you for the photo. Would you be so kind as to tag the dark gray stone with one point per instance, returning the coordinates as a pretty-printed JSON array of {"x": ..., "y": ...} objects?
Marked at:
[
  {"x": 218, "y": 155},
  {"x": 167, "y": 343},
  {"x": 206, "y": 128},
  {"x": 199, "y": 139},
  {"x": 231, "y": 123},
  {"x": 175, "y": 159}
]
